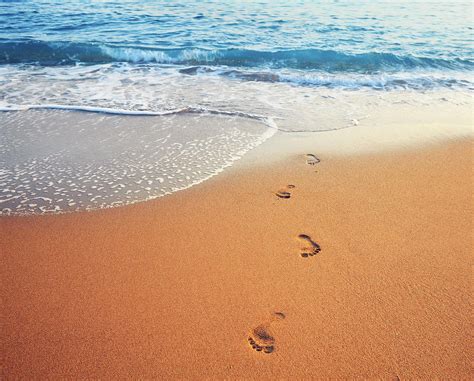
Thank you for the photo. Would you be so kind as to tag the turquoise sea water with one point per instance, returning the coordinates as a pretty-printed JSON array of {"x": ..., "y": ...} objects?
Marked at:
[
  {"x": 410, "y": 44},
  {"x": 292, "y": 66}
]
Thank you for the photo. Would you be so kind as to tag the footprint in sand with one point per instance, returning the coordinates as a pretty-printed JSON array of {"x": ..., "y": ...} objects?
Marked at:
[
  {"x": 312, "y": 159},
  {"x": 261, "y": 339},
  {"x": 284, "y": 192},
  {"x": 312, "y": 249}
]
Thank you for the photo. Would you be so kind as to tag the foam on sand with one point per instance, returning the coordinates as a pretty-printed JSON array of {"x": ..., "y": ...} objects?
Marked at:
[{"x": 55, "y": 160}]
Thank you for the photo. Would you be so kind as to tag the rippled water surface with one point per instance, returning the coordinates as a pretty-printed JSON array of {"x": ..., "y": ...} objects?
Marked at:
[{"x": 298, "y": 41}]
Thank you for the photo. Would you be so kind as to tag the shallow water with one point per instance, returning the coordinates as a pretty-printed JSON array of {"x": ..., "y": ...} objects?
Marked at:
[{"x": 57, "y": 161}]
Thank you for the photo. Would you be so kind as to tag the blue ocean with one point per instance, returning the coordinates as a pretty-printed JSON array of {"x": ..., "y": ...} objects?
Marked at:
[
  {"x": 380, "y": 44},
  {"x": 287, "y": 66}
]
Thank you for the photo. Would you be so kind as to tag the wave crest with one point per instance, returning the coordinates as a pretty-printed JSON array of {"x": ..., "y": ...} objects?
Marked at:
[{"x": 62, "y": 53}]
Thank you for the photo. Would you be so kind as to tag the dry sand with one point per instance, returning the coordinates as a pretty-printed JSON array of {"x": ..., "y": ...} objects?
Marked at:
[{"x": 174, "y": 288}]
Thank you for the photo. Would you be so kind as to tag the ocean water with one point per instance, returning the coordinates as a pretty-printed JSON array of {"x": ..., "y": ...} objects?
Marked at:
[{"x": 206, "y": 81}]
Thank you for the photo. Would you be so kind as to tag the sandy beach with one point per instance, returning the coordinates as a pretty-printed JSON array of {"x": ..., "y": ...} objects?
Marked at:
[
  {"x": 360, "y": 267},
  {"x": 236, "y": 190}
]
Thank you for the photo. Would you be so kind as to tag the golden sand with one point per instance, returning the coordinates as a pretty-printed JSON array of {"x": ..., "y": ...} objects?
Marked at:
[{"x": 361, "y": 269}]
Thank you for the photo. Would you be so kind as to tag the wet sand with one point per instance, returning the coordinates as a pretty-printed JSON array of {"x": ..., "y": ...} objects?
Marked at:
[{"x": 361, "y": 270}]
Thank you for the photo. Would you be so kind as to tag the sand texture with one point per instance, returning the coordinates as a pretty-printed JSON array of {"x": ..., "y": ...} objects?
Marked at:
[{"x": 309, "y": 267}]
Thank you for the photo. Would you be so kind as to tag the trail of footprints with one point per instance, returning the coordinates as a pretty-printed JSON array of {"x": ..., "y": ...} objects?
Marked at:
[
  {"x": 261, "y": 338},
  {"x": 312, "y": 247}
]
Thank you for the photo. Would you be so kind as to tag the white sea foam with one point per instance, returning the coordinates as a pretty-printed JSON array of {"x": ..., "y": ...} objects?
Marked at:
[
  {"x": 159, "y": 90},
  {"x": 49, "y": 165},
  {"x": 147, "y": 55},
  {"x": 113, "y": 111}
]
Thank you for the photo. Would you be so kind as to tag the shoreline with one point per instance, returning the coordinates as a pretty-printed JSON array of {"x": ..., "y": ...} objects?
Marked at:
[
  {"x": 175, "y": 287},
  {"x": 395, "y": 135}
]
